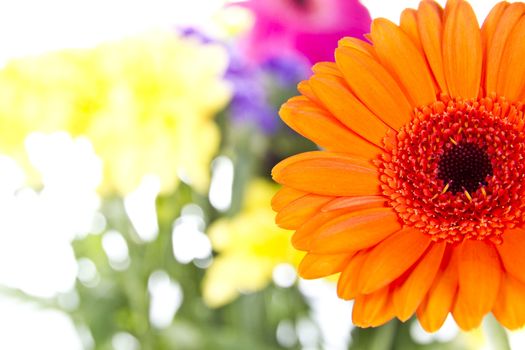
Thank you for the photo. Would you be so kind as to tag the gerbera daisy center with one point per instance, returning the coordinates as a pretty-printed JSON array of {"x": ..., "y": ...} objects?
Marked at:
[
  {"x": 464, "y": 167},
  {"x": 456, "y": 171}
]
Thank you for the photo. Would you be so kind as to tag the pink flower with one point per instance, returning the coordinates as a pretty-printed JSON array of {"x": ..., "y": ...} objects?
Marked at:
[{"x": 309, "y": 27}]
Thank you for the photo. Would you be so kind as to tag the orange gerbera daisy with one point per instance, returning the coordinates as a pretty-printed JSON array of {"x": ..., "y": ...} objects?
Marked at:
[{"x": 417, "y": 196}]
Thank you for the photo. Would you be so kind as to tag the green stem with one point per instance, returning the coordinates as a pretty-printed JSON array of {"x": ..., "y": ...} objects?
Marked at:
[{"x": 384, "y": 337}]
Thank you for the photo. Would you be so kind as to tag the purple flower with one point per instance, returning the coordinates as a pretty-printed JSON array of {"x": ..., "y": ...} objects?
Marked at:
[
  {"x": 259, "y": 90},
  {"x": 190, "y": 32}
]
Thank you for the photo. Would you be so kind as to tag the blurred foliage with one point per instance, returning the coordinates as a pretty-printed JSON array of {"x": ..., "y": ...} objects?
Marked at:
[{"x": 120, "y": 301}]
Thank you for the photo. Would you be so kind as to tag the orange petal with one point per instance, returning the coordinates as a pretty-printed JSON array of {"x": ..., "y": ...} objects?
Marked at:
[
  {"x": 505, "y": 26},
  {"x": 297, "y": 212},
  {"x": 373, "y": 310},
  {"x": 327, "y": 68},
  {"x": 356, "y": 203},
  {"x": 303, "y": 237},
  {"x": 306, "y": 90},
  {"x": 374, "y": 86},
  {"x": 328, "y": 174},
  {"x": 487, "y": 33},
  {"x": 357, "y": 44},
  {"x": 408, "y": 23},
  {"x": 336, "y": 98},
  {"x": 431, "y": 33},
  {"x": 512, "y": 70},
  {"x": 511, "y": 253},
  {"x": 391, "y": 258},
  {"x": 440, "y": 298},
  {"x": 403, "y": 59},
  {"x": 479, "y": 280},
  {"x": 509, "y": 308},
  {"x": 306, "y": 233},
  {"x": 410, "y": 293},
  {"x": 491, "y": 22},
  {"x": 285, "y": 196},
  {"x": 462, "y": 53},
  {"x": 451, "y": 4},
  {"x": 321, "y": 265},
  {"x": 347, "y": 287},
  {"x": 355, "y": 231},
  {"x": 318, "y": 125}
]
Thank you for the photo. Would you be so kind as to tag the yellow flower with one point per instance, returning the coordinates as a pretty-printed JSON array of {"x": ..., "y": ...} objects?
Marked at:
[
  {"x": 250, "y": 246},
  {"x": 146, "y": 103}
]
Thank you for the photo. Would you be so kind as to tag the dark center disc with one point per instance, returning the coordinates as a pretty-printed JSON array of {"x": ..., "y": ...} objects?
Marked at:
[{"x": 464, "y": 166}]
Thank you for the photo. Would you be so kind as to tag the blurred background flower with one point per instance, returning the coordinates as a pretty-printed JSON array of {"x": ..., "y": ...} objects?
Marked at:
[
  {"x": 136, "y": 142},
  {"x": 140, "y": 101},
  {"x": 259, "y": 89},
  {"x": 250, "y": 250},
  {"x": 303, "y": 27}
]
